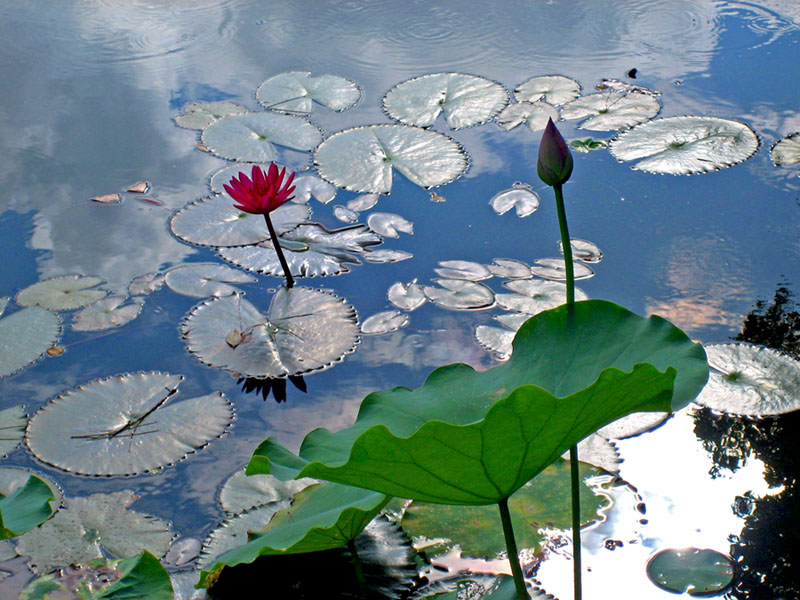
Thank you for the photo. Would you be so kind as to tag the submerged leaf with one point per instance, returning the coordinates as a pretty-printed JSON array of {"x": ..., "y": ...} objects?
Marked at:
[
  {"x": 786, "y": 151},
  {"x": 466, "y": 100},
  {"x": 610, "y": 110},
  {"x": 685, "y": 145},
  {"x": 67, "y": 292},
  {"x": 12, "y": 428},
  {"x": 201, "y": 280},
  {"x": 362, "y": 159},
  {"x": 554, "y": 89},
  {"x": 294, "y": 92},
  {"x": 24, "y": 336},
  {"x": 520, "y": 196},
  {"x": 691, "y": 570},
  {"x": 107, "y": 313},
  {"x": 199, "y": 115}
]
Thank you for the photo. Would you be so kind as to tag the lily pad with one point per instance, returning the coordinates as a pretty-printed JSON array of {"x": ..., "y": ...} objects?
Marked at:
[
  {"x": 296, "y": 91},
  {"x": 554, "y": 269},
  {"x": 146, "y": 284},
  {"x": 252, "y": 137},
  {"x": 201, "y": 280},
  {"x": 535, "y": 114},
  {"x": 535, "y": 295},
  {"x": 107, "y": 313},
  {"x": 363, "y": 202},
  {"x": 623, "y": 87},
  {"x": 685, "y": 145},
  {"x": 67, "y": 292},
  {"x": 692, "y": 571},
  {"x": 510, "y": 269},
  {"x": 610, "y": 110},
  {"x": 12, "y": 428},
  {"x": 466, "y": 100},
  {"x": 25, "y": 508},
  {"x": 407, "y": 296},
  {"x": 94, "y": 527},
  {"x": 362, "y": 159},
  {"x": 242, "y": 492},
  {"x": 3, "y": 303},
  {"x": 384, "y": 322},
  {"x": 310, "y": 185},
  {"x": 554, "y": 89},
  {"x": 311, "y": 250},
  {"x": 389, "y": 225},
  {"x": 520, "y": 197},
  {"x": 633, "y": 425},
  {"x": 344, "y": 214},
  {"x": 583, "y": 250},
  {"x": 495, "y": 339},
  {"x": 199, "y": 115},
  {"x": 585, "y": 145},
  {"x": 213, "y": 221},
  {"x": 462, "y": 269},
  {"x": 125, "y": 425},
  {"x": 14, "y": 478},
  {"x": 25, "y": 336},
  {"x": 751, "y": 380},
  {"x": 468, "y": 437},
  {"x": 599, "y": 452},
  {"x": 786, "y": 151},
  {"x": 387, "y": 256},
  {"x": 304, "y": 330},
  {"x": 459, "y": 294}
]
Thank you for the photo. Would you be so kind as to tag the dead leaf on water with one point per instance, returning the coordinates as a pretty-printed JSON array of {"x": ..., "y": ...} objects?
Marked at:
[
  {"x": 139, "y": 188},
  {"x": 55, "y": 350},
  {"x": 107, "y": 199},
  {"x": 202, "y": 147},
  {"x": 437, "y": 198}
]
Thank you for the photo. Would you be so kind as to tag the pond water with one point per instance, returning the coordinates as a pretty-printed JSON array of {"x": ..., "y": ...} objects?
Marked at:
[{"x": 90, "y": 93}]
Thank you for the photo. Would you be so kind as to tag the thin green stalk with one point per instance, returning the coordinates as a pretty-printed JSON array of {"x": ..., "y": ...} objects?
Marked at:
[
  {"x": 362, "y": 583},
  {"x": 279, "y": 250},
  {"x": 513, "y": 553},
  {"x": 562, "y": 224}
]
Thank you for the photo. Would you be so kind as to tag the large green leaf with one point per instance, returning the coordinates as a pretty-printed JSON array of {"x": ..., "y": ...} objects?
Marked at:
[
  {"x": 468, "y": 437},
  {"x": 26, "y": 508}
]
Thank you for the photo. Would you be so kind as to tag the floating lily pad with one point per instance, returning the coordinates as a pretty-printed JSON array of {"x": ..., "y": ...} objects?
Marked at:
[
  {"x": 362, "y": 159},
  {"x": 310, "y": 185},
  {"x": 242, "y": 492},
  {"x": 199, "y": 115},
  {"x": 387, "y": 256},
  {"x": 535, "y": 114},
  {"x": 623, "y": 87},
  {"x": 466, "y": 100},
  {"x": 12, "y": 428},
  {"x": 94, "y": 527},
  {"x": 585, "y": 145},
  {"x": 786, "y": 151},
  {"x": 751, "y": 380},
  {"x": 459, "y": 294},
  {"x": 25, "y": 508},
  {"x": 520, "y": 196},
  {"x": 126, "y": 424},
  {"x": 363, "y": 202},
  {"x": 553, "y": 268},
  {"x": 67, "y": 292},
  {"x": 512, "y": 321},
  {"x": 462, "y": 269},
  {"x": 610, "y": 110},
  {"x": 533, "y": 296},
  {"x": 344, "y": 214},
  {"x": 583, "y": 250},
  {"x": 685, "y": 145},
  {"x": 495, "y": 339},
  {"x": 406, "y": 296},
  {"x": 389, "y": 225},
  {"x": 107, "y": 313},
  {"x": 3, "y": 303},
  {"x": 311, "y": 250},
  {"x": 554, "y": 89},
  {"x": 251, "y": 137},
  {"x": 633, "y": 425},
  {"x": 182, "y": 551},
  {"x": 304, "y": 330},
  {"x": 384, "y": 322},
  {"x": 201, "y": 280},
  {"x": 146, "y": 284},
  {"x": 691, "y": 571},
  {"x": 510, "y": 269},
  {"x": 599, "y": 452},
  {"x": 25, "y": 336},
  {"x": 296, "y": 91}
]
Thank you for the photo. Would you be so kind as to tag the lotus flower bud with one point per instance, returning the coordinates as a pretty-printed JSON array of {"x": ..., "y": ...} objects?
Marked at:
[{"x": 555, "y": 161}]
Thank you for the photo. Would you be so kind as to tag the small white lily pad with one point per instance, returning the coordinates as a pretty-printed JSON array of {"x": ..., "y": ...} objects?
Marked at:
[
  {"x": 750, "y": 380},
  {"x": 67, "y": 292},
  {"x": 685, "y": 145},
  {"x": 311, "y": 185},
  {"x": 586, "y": 145},
  {"x": 362, "y": 159},
  {"x": 520, "y": 197},
  {"x": 199, "y": 115},
  {"x": 583, "y": 250},
  {"x": 107, "y": 313},
  {"x": 610, "y": 110},
  {"x": 633, "y": 425},
  {"x": 12, "y": 429},
  {"x": 623, "y": 87},
  {"x": 407, "y": 297},
  {"x": 146, "y": 284},
  {"x": 384, "y": 322},
  {"x": 363, "y": 202},
  {"x": 495, "y": 339},
  {"x": 251, "y": 137},
  {"x": 242, "y": 492},
  {"x": 786, "y": 151},
  {"x": 296, "y": 91},
  {"x": 554, "y": 89},
  {"x": 535, "y": 114},
  {"x": 459, "y": 294},
  {"x": 462, "y": 269},
  {"x": 344, "y": 214},
  {"x": 125, "y": 425},
  {"x": 201, "y": 280},
  {"x": 25, "y": 336},
  {"x": 554, "y": 269},
  {"x": 466, "y": 100},
  {"x": 389, "y": 224},
  {"x": 512, "y": 321},
  {"x": 304, "y": 330},
  {"x": 509, "y": 269},
  {"x": 546, "y": 294},
  {"x": 386, "y": 256}
]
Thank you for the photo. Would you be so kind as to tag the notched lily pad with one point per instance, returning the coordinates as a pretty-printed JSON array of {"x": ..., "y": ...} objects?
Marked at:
[
  {"x": 535, "y": 114},
  {"x": 12, "y": 428},
  {"x": 533, "y": 296},
  {"x": 296, "y": 91},
  {"x": 583, "y": 250},
  {"x": 242, "y": 492},
  {"x": 201, "y": 280},
  {"x": 303, "y": 330},
  {"x": 311, "y": 185},
  {"x": 25, "y": 336},
  {"x": 384, "y": 322},
  {"x": 389, "y": 224},
  {"x": 362, "y": 159},
  {"x": 495, "y": 339},
  {"x": 462, "y": 269},
  {"x": 786, "y": 151},
  {"x": 459, "y": 294},
  {"x": 125, "y": 425},
  {"x": 554, "y": 269},
  {"x": 554, "y": 89},
  {"x": 406, "y": 296},
  {"x": 199, "y": 115},
  {"x": 107, "y": 313},
  {"x": 520, "y": 197},
  {"x": 685, "y": 145},
  {"x": 466, "y": 100},
  {"x": 67, "y": 292},
  {"x": 693, "y": 571},
  {"x": 610, "y": 110},
  {"x": 146, "y": 284},
  {"x": 510, "y": 268}
]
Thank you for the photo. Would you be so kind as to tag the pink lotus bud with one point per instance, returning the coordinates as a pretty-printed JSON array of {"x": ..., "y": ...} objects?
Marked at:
[{"x": 555, "y": 161}]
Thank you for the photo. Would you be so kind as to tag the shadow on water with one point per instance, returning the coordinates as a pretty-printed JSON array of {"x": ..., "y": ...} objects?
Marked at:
[
  {"x": 767, "y": 551},
  {"x": 276, "y": 385}
]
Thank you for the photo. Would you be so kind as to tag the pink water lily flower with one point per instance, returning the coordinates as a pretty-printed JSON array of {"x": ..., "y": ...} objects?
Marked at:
[{"x": 264, "y": 193}]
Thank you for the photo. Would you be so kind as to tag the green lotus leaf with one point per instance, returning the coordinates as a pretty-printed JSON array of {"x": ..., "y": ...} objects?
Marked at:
[
  {"x": 26, "y": 508},
  {"x": 468, "y": 437}
]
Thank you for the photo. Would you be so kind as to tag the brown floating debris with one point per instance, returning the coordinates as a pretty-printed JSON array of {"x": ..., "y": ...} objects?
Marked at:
[
  {"x": 437, "y": 198},
  {"x": 107, "y": 199},
  {"x": 55, "y": 350},
  {"x": 202, "y": 147},
  {"x": 139, "y": 188}
]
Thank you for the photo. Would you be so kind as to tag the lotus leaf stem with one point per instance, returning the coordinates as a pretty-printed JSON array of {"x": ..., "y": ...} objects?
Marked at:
[
  {"x": 511, "y": 548},
  {"x": 362, "y": 582}
]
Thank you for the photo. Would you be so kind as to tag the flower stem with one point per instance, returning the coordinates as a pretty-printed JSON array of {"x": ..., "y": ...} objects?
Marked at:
[
  {"x": 362, "y": 583},
  {"x": 513, "y": 553},
  {"x": 279, "y": 250},
  {"x": 567, "y": 247}
]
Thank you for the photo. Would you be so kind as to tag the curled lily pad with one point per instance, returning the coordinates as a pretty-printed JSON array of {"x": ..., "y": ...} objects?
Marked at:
[
  {"x": 201, "y": 280},
  {"x": 535, "y": 114},
  {"x": 146, "y": 284},
  {"x": 12, "y": 428},
  {"x": 610, "y": 110},
  {"x": 553, "y": 268},
  {"x": 466, "y": 100},
  {"x": 242, "y": 492},
  {"x": 24, "y": 336},
  {"x": 751, "y": 380},
  {"x": 67, "y": 292},
  {"x": 94, "y": 527},
  {"x": 14, "y": 478},
  {"x": 384, "y": 322},
  {"x": 199, "y": 115},
  {"x": 387, "y": 256},
  {"x": 786, "y": 151},
  {"x": 213, "y": 221},
  {"x": 296, "y": 91},
  {"x": 554, "y": 89},
  {"x": 406, "y": 296},
  {"x": 459, "y": 294},
  {"x": 344, "y": 214},
  {"x": 107, "y": 313},
  {"x": 389, "y": 225},
  {"x": 462, "y": 269},
  {"x": 26, "y": 507},
  {"x": 362, "y": 159},
  {"x": 510, "y": 269},
  {"x": 685, "y": 145},
  {"x": 693, "y": 571},
  {"x": 311, "y": 250},
  {"x": 363, "y": 202},
  {"x": 304, "y": 330},
  {"x": 495, "y": 339},
  {"x": 125, "y": 425},
  {"x": 520, "y": 196},
  {"x": 583, "y": 250},
  {"x": 251, "y": 137},
  {"x": 310, "y": 185}
]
